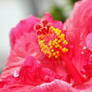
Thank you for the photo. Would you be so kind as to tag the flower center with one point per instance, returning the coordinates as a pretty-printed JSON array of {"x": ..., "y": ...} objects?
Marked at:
[{"x": 52, "y": 41}]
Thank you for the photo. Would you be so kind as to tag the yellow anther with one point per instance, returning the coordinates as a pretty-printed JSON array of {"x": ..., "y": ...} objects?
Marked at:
[
  {"x": 56, "y": 56},
  {"x": 49, "y": 43},
  {"x": 42, "y": 49},
  {"x": 59, "y": 41},
  {"x": 49, "y": 55},
  {"x": 56, "y": 43},
  {"x": 57, "y": 34},
  {"x": 65, "y": 42},
  {"x": 39, "y": 36},
  {"x": 52, "y": 29},
  {"x": 57, "y": 52},
  {"x": 53, "y": 43},
  {"x": 40, "y": 42},
  {"x": 51, "y": 46},
  {"x": 64, "y": 50},
  {"x": 41, "y": 45},
  {"x": 60, "y": 47},
  {"x": 62, "y": 37},
  {"x": 48, "y": 52},
  {"x": 56, "y": 46},
  {"x": 45, "y": 52},
  {"x": 56, "y": 39},
  {"x": 57, "y": 31},
  {"x": 52, "y": 50}
]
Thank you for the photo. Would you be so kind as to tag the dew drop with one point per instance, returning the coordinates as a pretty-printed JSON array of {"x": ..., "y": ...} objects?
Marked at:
[
  {"x": 34, "y": 54},
  {"x": 90, "y": 58},
  {"x": 89, "y": 41},
  {"x": 82, "y": 52},
  {"x": 15, "y": 74},
  {"x": 84, "y": 47},
  {"x": 46, "y": 77}
]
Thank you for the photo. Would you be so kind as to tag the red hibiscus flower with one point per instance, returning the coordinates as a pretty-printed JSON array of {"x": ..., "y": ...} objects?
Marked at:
[{"x": 47, "y": 56}]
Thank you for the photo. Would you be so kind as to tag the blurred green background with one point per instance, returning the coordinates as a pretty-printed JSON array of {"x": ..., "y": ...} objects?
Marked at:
[{"x": 58, "y": 12}]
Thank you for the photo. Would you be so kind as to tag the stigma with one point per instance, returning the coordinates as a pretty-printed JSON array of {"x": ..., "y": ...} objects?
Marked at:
[{"x": 52, "y": 41}]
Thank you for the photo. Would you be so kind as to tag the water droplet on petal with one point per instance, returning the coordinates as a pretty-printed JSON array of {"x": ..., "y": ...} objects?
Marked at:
[
  {"x": 34, "y": 54},
  {"x": 72, "y": 82},
  {"x": 15, "y": 74},
  {"x": 83, "y": 71},
  {"x": 46, "y": 78},
  {"x": 84, "y": 47},
  {"x": 89, "y": 41},
  {"x": 82, "y": 52},
  {"x": 84, "y": 76},
  {"x": 90, "y": 58}
]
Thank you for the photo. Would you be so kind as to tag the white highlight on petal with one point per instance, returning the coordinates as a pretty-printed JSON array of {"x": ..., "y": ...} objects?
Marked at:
[
  {"x": 89, "y": 41},
  {"x": 84, "y": 47},
  {"x": 34, "y": 54},
  {"x": 90, "y": 58},
  {"x": 15, "y": 74},
  {"x": 82, "y": 52}
]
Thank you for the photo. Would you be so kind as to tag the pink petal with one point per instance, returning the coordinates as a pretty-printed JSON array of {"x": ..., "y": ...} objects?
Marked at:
[
  {"x": 24, "y": 26},
  {"x": 21, "y": 38},
  {"x": 13, "y": 64},
  {"x": 17, "y": 88},
  {"x": 78, "y": 26},
  {"x": 27, "y": 45},
  {"x": 33, "y": 73},
  {"x": 54, "y": 86},
  {"x": 88, "y": 70}
]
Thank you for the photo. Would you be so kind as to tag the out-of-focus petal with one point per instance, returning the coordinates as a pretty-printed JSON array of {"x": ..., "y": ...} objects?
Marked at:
[
  {"x": 33, "y": 73},
  {"x": 78, "y": 26},
  {"x": 24, "y": 26},
  {"x": 17, "y": 88},
  {"x": 54, "y": 86}
]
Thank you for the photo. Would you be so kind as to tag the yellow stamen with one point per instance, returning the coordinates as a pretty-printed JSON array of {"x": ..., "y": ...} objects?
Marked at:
[
  {"x": 64, "y": 50},
  {"x": 65, "y": 42},
  {"x": 56, "y": 57},
  {"x": 53, "y": 47}
]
